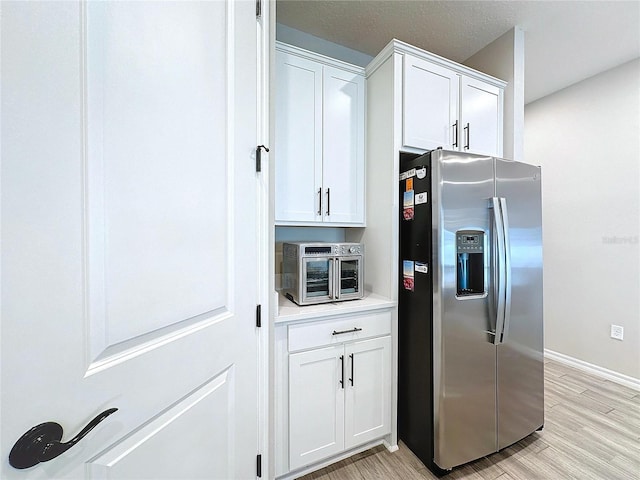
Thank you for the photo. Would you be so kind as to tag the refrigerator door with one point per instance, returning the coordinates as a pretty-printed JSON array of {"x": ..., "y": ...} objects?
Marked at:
[
  {"x": 520, "y": 385},
  {"x": 464, "y": 373}
]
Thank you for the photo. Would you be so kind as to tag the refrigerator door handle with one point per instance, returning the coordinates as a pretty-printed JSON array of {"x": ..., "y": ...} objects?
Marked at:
[
  {"x": 507, "y": 269},
  {"x": 498, "y": 273}
]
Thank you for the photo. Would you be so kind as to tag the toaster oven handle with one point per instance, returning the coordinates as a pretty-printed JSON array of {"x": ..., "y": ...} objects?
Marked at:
[{"x": 335, "y": 278}]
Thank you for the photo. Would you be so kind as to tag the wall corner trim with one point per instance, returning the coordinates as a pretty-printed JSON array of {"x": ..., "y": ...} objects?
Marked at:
[{"x": 627, "y": 381}]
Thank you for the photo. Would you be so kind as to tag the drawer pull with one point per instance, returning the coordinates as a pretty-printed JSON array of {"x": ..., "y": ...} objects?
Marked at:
[{"x": 354, "y": 329}]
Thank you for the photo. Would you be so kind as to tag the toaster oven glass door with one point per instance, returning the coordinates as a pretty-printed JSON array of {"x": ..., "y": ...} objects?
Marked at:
[
  {"x": 318, "y": 279},
  {"x": 349, "y": 277}
]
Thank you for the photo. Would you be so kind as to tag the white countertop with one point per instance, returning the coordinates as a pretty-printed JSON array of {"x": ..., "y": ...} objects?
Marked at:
[{"x": 288, "y": 311}]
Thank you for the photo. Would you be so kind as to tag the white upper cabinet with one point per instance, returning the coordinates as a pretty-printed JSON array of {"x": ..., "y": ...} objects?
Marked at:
[
  {"x": 343, "y": 146},
  {"x": 298, "y": 138},
  {"x": 450, "y": 106},
  {"x": 319, "y": 140},
  {"x": 481, "y": 117},
  {"x": 430, "y": 100}
]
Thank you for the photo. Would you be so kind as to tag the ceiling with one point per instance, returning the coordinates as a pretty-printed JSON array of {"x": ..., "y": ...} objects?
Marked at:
[{"x": 565, "y": 41}]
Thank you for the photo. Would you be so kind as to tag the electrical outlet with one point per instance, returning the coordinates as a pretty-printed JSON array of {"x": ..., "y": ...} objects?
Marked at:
[{"x": 617, "y": 332}]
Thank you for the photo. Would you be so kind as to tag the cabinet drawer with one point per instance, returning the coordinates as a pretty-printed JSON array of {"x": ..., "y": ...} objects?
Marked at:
[{"x": 353, "y": 327}]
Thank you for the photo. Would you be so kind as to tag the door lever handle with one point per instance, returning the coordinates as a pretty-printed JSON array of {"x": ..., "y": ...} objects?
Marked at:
[{"x": 43, "y": 442}]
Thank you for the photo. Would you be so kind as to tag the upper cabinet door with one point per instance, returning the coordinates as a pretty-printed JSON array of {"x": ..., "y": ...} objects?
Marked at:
[
  {"x": 298, "y": 180},
  {"x": 481, "y": 117},
  {"x": 343, "y": 146},
  {"x": 430, "y": 99}
]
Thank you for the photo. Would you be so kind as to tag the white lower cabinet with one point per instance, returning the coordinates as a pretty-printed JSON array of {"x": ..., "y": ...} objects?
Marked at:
[
  {"x": 339, "y": 398},
  {"x": 336, "y": 390},
  {"x": 367, "y": 391},
  {"x": 316, "y": 405}
]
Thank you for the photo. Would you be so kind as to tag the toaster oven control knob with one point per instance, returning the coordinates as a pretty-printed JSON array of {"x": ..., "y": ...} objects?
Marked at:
[{"x": 353, "y": 249}]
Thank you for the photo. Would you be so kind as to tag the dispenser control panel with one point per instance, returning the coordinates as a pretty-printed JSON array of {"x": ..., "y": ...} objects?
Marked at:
[
  {"x": 470, "y": 242},
  {"x": 470, "y": 281}
]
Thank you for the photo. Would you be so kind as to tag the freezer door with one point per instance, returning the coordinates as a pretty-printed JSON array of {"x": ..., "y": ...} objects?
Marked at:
[
  {"x": 464, "y": 374},
  {"x": 520, "y": 359}
]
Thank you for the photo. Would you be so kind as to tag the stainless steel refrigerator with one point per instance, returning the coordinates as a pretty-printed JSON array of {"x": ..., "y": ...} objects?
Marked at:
[{"x": 470, "y": 354}]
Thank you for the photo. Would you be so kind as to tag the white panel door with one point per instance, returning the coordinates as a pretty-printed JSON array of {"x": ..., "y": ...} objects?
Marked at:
[
  {"x": 343, "y": 146},
  {"x": 430, "y": 105},
  {"x": 128, "y": 236},
  {"x": 481, "y": 117},
  {"x": 367, "y": 390},
  {"x": 316, "y": 405},
  {"x": 298, "y": 149}
]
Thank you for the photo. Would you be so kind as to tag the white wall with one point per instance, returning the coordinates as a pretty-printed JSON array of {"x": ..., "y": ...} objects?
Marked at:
[
  {"x": 504, "y": 58},
  {"x": 319, "y": 45},
  {"x": 587, "y": 139}
]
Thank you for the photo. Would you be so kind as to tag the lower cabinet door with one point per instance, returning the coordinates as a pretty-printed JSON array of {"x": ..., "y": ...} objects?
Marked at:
[
  {"x": 367, "y": 390},
  {"x": 316, "y": 405}
]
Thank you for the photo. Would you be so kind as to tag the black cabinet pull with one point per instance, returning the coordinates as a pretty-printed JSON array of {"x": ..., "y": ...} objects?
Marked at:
[
  {"x": 342, "y": 371},
  {"x": 455, "y": 134},
  {"x": 42, "y": 443},
  {"x": 354, "y": 329},
  {"x": 352, "y": 360},
  {"x": 468, "y": 136},
  {"x": 328, "y": 202},
  {"x": 320, "y": 201}
]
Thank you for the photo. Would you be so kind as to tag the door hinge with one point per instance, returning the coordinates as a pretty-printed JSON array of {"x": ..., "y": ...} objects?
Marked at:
[
  {"x": 259, "y": 466},
  {"x": 259, "y": 157},
  {"x": 259, "y": 316},
  {"x": 258, "y": 8}
]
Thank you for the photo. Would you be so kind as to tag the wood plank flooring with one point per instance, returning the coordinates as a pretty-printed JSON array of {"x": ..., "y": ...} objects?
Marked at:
[{"x": 591, "y": 431}]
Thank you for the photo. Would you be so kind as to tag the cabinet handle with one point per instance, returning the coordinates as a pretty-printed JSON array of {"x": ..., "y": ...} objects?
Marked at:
[
  {"x": 352, "y": 360},
  {"x": 468, "y": 136},
  {"x": 455, "y": 134},
  {"x": 342, "y": 371},
  {"x": 328, "y": 202},
  {"x": 354, "y": 329},
  {"x": 320, "y": 201}
]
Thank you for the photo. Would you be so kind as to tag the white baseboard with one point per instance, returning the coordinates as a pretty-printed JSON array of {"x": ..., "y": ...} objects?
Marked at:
[{"x": 595, "y": 370}]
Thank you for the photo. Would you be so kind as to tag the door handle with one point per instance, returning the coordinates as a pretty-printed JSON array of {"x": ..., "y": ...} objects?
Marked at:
[
  {"x": 319, "y": 201},
  {"x": 341, "y": 371},
  {"x": 43, "y": 442},
  {"x": 499, "y": 272},
  {"x": 507, "y": 269}
]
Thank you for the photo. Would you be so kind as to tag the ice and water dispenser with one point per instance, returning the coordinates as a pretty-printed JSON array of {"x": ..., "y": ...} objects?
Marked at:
[{"x": 470, "y": 263}]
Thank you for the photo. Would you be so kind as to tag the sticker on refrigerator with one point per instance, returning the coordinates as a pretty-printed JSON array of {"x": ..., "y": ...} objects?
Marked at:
[
  {"x": 409, "y": 185},
  {"x": 408, "y": 174},
  {"x": 407, "y": 275},
  {"x": 421, "y": 173},
  {"x": 407, "y": 204},
  {"x": 421, "y": 267},
  {"x": 421, "y": 198}
]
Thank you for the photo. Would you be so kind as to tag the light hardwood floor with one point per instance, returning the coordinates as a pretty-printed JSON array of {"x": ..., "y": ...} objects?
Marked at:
[{"x": 591, "y": 431}]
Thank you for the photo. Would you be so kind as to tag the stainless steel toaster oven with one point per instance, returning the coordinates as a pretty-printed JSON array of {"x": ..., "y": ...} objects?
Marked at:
[{"x": 322, "y": 272}]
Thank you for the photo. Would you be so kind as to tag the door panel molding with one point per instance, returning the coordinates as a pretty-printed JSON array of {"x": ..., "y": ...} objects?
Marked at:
[
  {"x": 170, "y": 431},
  {"x": 147, "y": 205}
]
